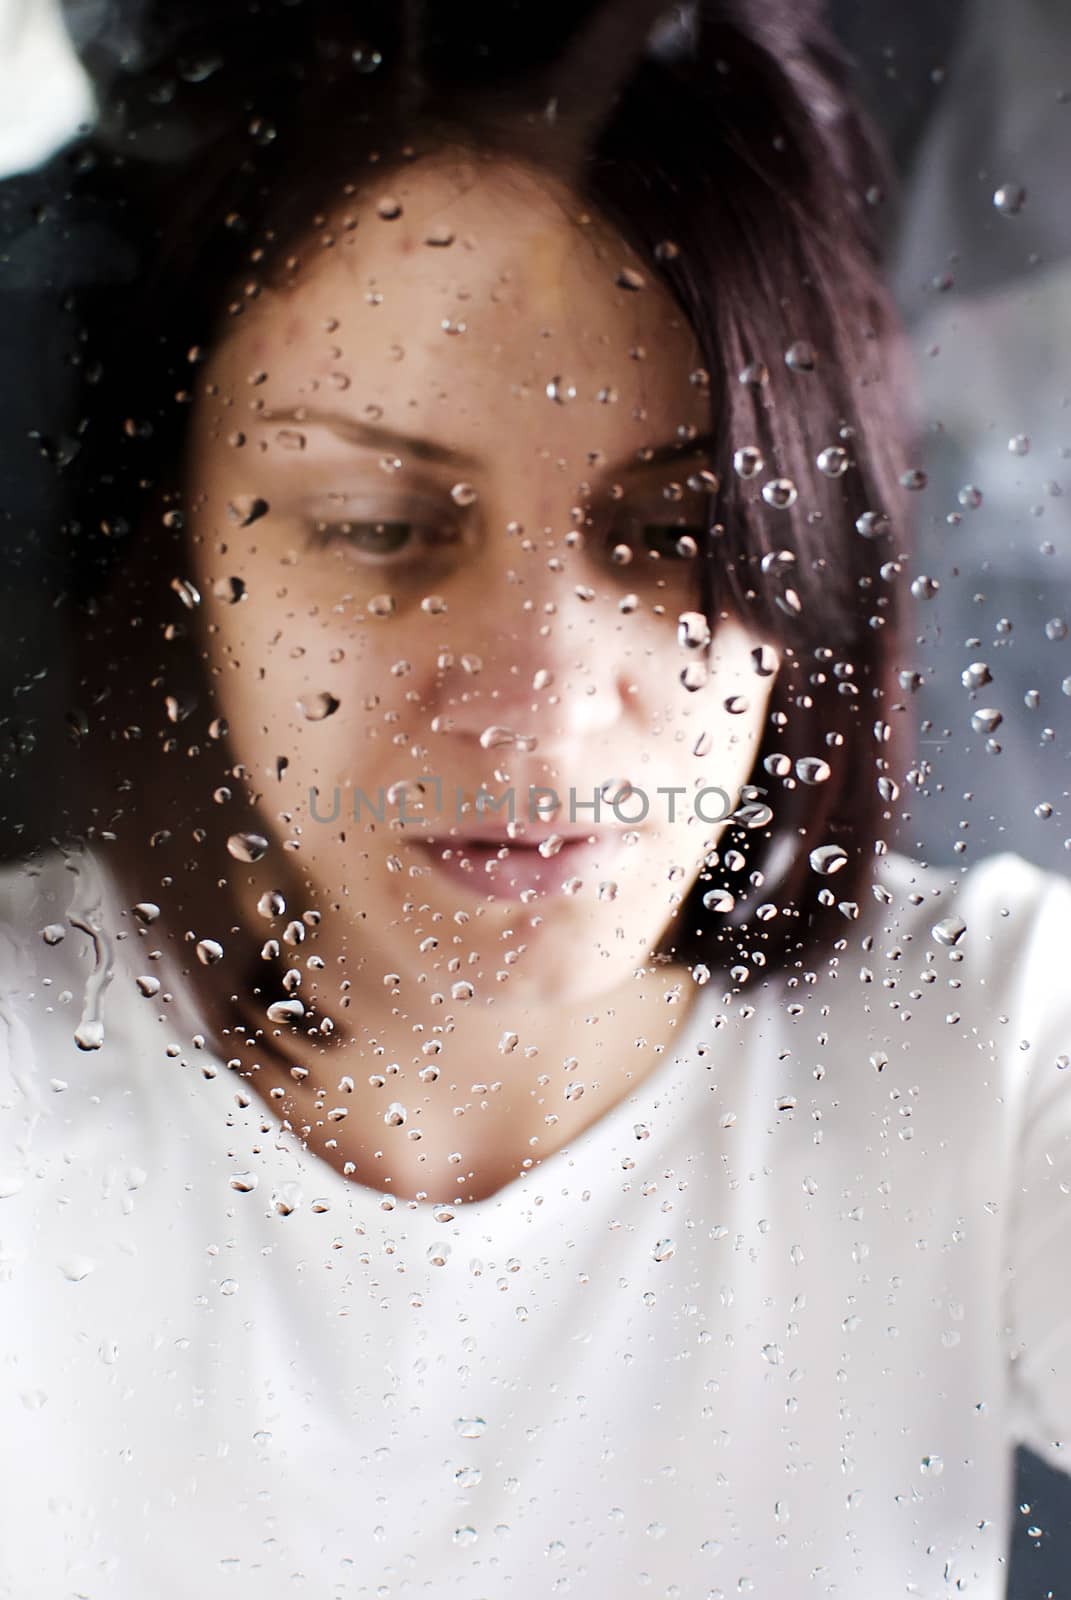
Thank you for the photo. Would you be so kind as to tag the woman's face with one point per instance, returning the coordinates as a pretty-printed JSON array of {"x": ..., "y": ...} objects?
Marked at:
[{"x": 447, "y": 474}]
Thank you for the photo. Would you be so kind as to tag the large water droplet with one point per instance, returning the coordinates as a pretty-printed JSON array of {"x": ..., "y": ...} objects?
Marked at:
[
  {"x": 247, "y": 846},
  {"x": 315, "y": 707},
  {"x": 748, "y": 461},
  {"x": 781, "y": 493},
  {"x": 693, "y": 630},
  {"x": 827, "y": 859}
]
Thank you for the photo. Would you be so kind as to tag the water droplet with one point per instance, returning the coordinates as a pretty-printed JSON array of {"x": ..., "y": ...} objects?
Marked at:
[
  {"x": 496, "y": 737},
  {"x": 924, "y": 588},
  {"x": 433, "y": 605},
  {"x": 969, "y": 497},
  {"x": 560, "y": 391},
  {"x": 439, "y": 236},
  {"x": 146, "y": 911},
  {"x": 209, "y": 951},
  {"x": 245, "y": 509},
  {"x": 54, "y": 932},
  {"x": 799, "y": 357},
  {"x": 748, "y": 461},
  {"x": 629, "y": 278},
  {"x": 75, "y": 1268},
  {"x": 914, "y": 479},
  {"x": 763, "y": 661},
  {"x": 949, "y": 931},
  {"x": 285, "y": 1010},
  {"x": 986, "y": 719},
  {"x": 315, "y": 707},
  {"x": 777, "y": 561},
  {"x": 244, "y": 1182},
  {"x": 827, "y": 859},
  {"x": 1056, "y": 628},
  {"x": 247, "y": 846},
  {"x": 229, "y": 590},
  {"x": 469, "y": 1427},
  {"x": 737, "y": 704},
  {"x": 976, "y": 675},
  {"x": 812, "y": 769},
  {"x": 1009, "y": 199},
  {"x": 381, "y": 605},
  {"x": 933, "y": 1465},
  {"x": 719, "y": 900},
  {"x": 832, "y": 462},
  {"x": 781, "y": 493},
  {"x": 187, "y": 592},
  {"x": 1019, "y": 445},
  {"x": 663, "y": 1250},
  {"x": 777, "y": 765},
  {"x": 271, "y": 904},
  {"x": 148, "y": 986},
  {"x": 463, "y": 494},
  {"x": 607, "y": 891},
  {"x": 693, "y": 630},
  {"x": 89, "y": 1035},
  {"x": 389, "y": 208},
  {"x": 703, "y": 745},
  {"x": 872, "y": 525},
  {"x": 695, "y": 676}
]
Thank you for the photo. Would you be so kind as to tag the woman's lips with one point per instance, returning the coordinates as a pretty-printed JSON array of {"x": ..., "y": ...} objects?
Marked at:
[{"x": 477, "y": 864}]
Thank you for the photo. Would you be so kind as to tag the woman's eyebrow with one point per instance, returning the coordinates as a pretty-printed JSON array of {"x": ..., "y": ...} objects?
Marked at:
[
  {"x": 649, "y": 456},
  {"x": 373, "y": 437},
  {"x": 367, "y": 434}
]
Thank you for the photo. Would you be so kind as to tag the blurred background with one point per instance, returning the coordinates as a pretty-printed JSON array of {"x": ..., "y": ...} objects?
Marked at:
[{"x": 973, "y": 98}]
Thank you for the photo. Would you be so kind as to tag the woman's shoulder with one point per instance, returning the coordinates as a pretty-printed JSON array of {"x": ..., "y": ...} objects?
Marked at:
[{"x": 1005, "y": 921}]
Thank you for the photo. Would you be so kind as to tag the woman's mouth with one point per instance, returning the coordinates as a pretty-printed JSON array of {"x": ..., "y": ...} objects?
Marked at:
[{"x": 520, "y": 869}]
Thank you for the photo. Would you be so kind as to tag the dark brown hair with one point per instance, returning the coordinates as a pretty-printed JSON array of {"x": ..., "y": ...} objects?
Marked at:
[{"x": 721, "y": 138}]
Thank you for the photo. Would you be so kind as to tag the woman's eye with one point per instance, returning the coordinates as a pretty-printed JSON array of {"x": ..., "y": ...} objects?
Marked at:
[
  {"x": 654, "y": 542},
  {"x": 382, "y": 541},
  {"x": 671, "y": 541}
]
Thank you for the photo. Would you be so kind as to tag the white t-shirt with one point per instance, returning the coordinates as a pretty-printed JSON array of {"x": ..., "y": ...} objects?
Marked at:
[{"x": 771, "y": 1326}]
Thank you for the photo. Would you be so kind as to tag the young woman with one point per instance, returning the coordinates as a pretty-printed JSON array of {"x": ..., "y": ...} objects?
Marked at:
[{"x": 488, "y": 1111}]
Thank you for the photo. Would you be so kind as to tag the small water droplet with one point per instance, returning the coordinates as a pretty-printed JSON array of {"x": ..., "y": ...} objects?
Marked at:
[
  {"x": 949, "y": 931},
  {"x": 560, "y": 391},
  {"x": 245, "y": 509},
  {"x": 1009, "y": 199},
  {"x": 209, "y": 951},
  {"x": 800, "y": 357},
  {"x": 315, "y": 707}
]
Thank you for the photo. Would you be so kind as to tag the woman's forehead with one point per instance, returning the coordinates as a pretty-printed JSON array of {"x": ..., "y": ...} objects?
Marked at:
[{"x": 476, "y": 282}]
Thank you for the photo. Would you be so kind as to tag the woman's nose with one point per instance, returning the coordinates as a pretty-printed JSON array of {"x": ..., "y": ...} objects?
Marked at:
[{"x": 555, "y": 676}]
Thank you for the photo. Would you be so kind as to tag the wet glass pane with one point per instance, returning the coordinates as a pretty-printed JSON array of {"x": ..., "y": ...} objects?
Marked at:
[{"x": 536, "y": 659}]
